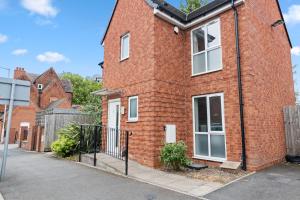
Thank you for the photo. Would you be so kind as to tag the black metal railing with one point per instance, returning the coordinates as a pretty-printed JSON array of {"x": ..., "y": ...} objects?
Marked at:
[{"x": 101, "y": 139}]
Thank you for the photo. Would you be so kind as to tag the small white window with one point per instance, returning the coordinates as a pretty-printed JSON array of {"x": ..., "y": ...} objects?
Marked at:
[
  {"x": 40, "y": 86},
  {"x": 125, "y": 46},
  {"x": 206, "y": 48},
  {"x": 133, "y": 109}
]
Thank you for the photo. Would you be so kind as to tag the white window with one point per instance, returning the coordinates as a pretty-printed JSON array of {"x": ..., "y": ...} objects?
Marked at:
[
  {"x": 133, "y": 108},
  {"x": 125, "y": 46},
  {"x": 206, "y": 48},
  {"x": 209, "y": 128},
  {"x": 40, "y": 86}
]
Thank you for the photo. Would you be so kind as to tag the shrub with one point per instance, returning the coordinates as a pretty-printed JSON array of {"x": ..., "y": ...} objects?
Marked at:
[
  {"x": 173, "y": 156},
  {"x": 68, "y": 141}
]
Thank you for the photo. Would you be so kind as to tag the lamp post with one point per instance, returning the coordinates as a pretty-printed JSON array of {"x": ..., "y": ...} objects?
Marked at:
[{"x": 5, "y": 108}]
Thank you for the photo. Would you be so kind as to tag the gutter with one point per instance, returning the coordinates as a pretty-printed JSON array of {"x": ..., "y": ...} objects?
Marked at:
[
  {"x": 183, "y": 26},
  {"x": 240, "y": 85}
]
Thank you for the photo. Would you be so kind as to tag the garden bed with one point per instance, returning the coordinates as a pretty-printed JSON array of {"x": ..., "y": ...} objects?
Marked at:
[{"x": 212, "y": 174}]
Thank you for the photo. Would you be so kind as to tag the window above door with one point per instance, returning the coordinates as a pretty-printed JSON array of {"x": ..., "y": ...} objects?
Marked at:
[
  {"x": 206, "y": 48},
  {"x": 125, "y": 44}
]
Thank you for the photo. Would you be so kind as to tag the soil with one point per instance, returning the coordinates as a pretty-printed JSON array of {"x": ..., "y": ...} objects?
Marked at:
[{"x": 212, "y": 174}]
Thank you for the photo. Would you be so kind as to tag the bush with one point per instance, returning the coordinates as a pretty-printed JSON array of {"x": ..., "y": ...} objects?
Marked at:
[
  {"x": 68, "y": 141},
  {"x": 173, "y": 156}
]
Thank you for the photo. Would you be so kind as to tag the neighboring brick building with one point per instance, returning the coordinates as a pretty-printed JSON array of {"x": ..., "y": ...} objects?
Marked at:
[
  {"x": 150, "y": 62},
  {"x": 46, "y": 90}
]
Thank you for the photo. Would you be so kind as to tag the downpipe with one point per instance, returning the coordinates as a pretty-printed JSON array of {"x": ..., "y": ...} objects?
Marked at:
[{"x": 240, "y": 85}]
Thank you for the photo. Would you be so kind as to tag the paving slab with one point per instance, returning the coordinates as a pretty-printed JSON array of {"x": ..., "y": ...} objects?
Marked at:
[
  {"x": 193, "y": 187},
  {"x": 277, "y": 183}
]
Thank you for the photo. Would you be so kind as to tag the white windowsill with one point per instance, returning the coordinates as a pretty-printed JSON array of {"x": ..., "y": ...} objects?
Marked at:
[
  {"x": 123, "y": 59},
  {"x": 214, "y": 159},
  {"x": 132, "y": 121},
  {"x": 202, "y": 73}
]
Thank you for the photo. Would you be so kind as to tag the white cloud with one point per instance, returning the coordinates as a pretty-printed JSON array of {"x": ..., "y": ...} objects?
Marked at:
[
  {"x": 41, "y": 7},
  {"x": 293, "y": 14},
  {"x": 19, "y": 52},
  {"x": 296, "y": 51},
  {"x": 3, "y": 38},
  {"x": 52, "y": 57}
]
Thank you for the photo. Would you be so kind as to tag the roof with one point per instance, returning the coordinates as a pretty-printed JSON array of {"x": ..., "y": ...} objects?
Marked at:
[
  {"x": 32, "y": 76},
  {"x": 185, "y": 18},
  {"x": 55, "y": 104},
  {"x": 66, "y": 84}
]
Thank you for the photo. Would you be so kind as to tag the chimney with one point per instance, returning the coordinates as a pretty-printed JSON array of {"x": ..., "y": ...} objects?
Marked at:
[{"x": 19, "y": 73}]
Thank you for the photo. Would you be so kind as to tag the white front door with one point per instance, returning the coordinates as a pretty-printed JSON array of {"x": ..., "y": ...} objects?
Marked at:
[{"x": 113, "y": 129}]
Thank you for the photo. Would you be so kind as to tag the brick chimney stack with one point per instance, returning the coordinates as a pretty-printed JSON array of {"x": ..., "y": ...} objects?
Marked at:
[{"x": 19, "y": 73}]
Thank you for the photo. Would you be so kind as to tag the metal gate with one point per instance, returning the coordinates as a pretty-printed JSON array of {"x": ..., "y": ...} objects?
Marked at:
[{"x": 100, "y": 139}]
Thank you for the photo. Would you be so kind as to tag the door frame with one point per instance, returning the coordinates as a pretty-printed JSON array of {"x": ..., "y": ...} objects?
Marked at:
[
  {"x": 117, "y": 100},
  {"x": 209, "y": 158}
]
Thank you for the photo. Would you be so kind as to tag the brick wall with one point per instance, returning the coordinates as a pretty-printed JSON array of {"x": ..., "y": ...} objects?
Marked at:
[{"x": 159, "y": 72}]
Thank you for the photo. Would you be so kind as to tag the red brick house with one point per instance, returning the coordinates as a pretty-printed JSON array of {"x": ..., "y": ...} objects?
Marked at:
[
  {"x": 46, "y": 90},
  {"x": 218, "y": 77}
]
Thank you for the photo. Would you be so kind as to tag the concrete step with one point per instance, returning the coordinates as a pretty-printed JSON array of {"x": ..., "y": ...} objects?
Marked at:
[{"x": 105, "y": 162}]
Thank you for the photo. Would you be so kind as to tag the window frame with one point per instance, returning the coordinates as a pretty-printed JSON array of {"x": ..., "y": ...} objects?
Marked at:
[
  {"x": 209, "y": 132},
  {"x": 133, "y": 119},
  {"x": 207, "y": 49},
  {"x": 122, "y": 45}
]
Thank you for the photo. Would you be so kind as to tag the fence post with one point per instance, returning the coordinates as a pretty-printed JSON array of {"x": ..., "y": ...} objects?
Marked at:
[
  {"x": 80, "y": 142},
  {"x": 126, "y": 152},
  {"x": 95, "y": 145}
]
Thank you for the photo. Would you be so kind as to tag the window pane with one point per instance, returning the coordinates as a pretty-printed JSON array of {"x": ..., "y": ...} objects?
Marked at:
[
  {"x": 213, "y": 34},
  {"x": 215, "y": 114},
  {"x": 214, "y": 59},
  {"x": 201, "y": 142},
  {"x": 200, "y": 114},
  {"x": 198, "y": 40},
  {"x": 217, "y": 146},
  {"x": 125, "y": 47},
  {"x": 199, "y": 64},
  {"x": 133, "y": 108}
]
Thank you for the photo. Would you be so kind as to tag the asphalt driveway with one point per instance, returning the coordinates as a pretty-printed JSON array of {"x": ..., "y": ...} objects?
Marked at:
[
  {"x": 33, "y": 176},
  {"x": 277, "y": 183}
]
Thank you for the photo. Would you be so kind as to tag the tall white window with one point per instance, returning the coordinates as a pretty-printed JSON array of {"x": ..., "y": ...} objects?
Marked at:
[
  {"x": 133, "y": 109},
  {"x": 209, "y": 128},
  {"x": 206, "y": 48},
  {"x": 125, "y": 46}
]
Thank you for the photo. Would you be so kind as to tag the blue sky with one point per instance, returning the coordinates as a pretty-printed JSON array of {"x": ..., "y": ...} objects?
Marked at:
[{"x": 65, "y": 34}]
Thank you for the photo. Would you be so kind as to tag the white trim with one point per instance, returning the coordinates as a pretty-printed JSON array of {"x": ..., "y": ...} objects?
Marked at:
[
  {"x": 25, "y": 124},
  {"x": 40, "y": 86},
  {"x": 217, "y": 159},
  {"x": 199, "y": 20},
  {"x": 133, "y": 119},
  {"x": 207, "y": 49},
  {"x": 122, "y": 40}
]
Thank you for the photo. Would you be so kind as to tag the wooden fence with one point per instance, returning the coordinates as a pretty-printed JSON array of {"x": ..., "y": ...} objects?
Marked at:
[
  {"x": 55, "y": 119},
  {"x": 292, "y": 129}
]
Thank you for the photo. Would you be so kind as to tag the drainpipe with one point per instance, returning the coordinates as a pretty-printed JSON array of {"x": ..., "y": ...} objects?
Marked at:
[
  {"x": 240, "y": 85},
  {"x": 39, "y": 97}
]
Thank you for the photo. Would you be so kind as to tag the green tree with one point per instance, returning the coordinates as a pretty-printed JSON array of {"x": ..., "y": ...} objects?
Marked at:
[
  {"x": 82, "y": 88},
  {"x": 189, "y": 6}
]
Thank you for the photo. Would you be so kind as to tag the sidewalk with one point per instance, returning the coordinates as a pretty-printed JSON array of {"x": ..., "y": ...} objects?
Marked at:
[
  {"x": 10, "y": 146},
  {"x": 159, "y": 178}
]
